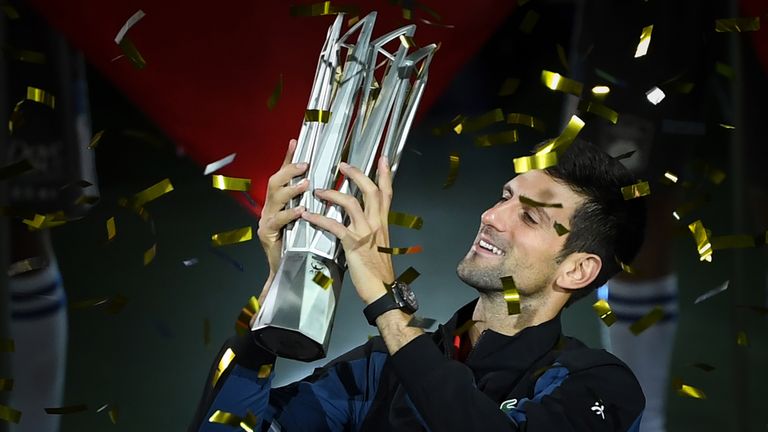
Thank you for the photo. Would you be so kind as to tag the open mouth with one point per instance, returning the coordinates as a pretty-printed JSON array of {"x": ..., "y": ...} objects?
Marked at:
[{"x": 490, "y": 248}]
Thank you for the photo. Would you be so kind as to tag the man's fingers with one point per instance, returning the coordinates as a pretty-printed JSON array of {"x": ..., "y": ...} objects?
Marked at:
[
  {"x": 289, "y": 154},
  {"x": 367, "y": 187},
  {"x": 384, "y": 179},
  {"x": 347, "y": 202},
  {"x": 325, "y": 223},
  {"x": 280, "y": 219},
  {"x": 284, "y": 175},
  {"x": 281, "y": 196}
]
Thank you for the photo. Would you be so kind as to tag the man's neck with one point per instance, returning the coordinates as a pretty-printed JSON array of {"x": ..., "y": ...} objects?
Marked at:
[{"x": 491, "y": 313}]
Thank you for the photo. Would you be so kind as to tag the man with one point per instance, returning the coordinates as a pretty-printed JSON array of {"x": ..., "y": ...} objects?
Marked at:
[{"x": 485, "y": 369}]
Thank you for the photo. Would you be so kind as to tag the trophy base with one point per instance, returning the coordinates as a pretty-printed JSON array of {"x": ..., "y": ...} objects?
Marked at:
[
  {"x": 296, "y": 318},
  {"x": 289, "y": 343}
]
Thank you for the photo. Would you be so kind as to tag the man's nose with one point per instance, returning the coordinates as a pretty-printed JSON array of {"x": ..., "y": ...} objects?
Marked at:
[{"x": 495, "y": 216}]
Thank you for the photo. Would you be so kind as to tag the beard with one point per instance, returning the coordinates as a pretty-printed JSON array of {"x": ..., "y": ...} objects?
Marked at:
[{"x": 486, "y": 279}]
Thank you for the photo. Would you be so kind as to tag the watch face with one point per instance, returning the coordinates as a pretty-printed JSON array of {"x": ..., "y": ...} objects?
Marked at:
[{"x": 407, "y": 295}]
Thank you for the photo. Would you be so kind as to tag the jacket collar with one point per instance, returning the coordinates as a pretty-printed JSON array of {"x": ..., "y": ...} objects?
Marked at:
[{"x": 495, "y": 351}]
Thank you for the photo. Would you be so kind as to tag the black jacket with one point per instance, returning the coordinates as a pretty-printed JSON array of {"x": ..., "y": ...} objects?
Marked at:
[{"x": 537, "y": 380}]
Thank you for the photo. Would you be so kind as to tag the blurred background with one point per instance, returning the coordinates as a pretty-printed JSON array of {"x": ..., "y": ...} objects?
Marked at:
[{"x": 129, "y": 326}]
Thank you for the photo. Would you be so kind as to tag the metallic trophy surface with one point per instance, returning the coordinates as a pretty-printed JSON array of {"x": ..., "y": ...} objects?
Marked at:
[{"x": 362, "y": 104}]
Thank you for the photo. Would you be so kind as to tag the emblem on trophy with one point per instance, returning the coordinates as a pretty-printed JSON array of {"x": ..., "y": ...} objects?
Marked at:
[{"x": 362, "y": 105}]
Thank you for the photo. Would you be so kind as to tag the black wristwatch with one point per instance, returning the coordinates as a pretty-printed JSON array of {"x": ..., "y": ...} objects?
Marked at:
[{"x": 399, "y": 296}]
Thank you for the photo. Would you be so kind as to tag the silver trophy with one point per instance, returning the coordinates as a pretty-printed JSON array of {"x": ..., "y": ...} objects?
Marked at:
[{"x": 362, "y": 89}]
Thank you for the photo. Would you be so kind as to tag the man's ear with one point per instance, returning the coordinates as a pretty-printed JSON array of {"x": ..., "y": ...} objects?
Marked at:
[{"x": 578, "y": 270}]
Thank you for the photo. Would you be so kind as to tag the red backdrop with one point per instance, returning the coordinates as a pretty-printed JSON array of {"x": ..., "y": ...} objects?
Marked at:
[{"x": 210, "y": 69}]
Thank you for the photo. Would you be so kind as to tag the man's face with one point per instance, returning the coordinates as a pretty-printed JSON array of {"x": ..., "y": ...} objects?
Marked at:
[{"x": 518, "y": 239}]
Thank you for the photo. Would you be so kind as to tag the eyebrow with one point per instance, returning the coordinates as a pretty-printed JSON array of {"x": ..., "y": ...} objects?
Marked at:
[{"x": 540, "y": 210}]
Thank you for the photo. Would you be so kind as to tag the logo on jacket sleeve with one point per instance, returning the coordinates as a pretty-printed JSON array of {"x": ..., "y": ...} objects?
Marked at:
[
  {"x": 508, "y": 405},
  {"x": 598, "y": 409}
]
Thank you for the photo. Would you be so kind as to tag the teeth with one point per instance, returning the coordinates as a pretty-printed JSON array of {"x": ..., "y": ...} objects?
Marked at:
[{"x": 487, "y": 246}]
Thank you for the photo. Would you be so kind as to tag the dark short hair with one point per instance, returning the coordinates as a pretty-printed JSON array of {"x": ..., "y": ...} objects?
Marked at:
[{"x": 605, "y": 224}]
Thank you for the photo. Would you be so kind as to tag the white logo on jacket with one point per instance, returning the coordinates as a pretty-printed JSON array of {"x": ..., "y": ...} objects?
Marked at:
[{"x": 598, "y": 409}]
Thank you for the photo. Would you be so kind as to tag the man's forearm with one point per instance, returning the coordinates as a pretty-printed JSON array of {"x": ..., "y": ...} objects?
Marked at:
[{"x": 394, "y": 329}]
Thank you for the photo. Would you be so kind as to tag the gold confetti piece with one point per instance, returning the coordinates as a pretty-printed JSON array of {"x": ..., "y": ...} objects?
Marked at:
[
  {"x": 726, "y": 126},
  {"x": 599, "y": 110},
  {"x": 27, "y": 265},
  {"x": 625, "y": 267},
  {"x": 352, "y": 21},
  {"x": 533, "y": 203},
  {"x": 243, "y": 323},
  {"x": 603, "y": 310},
  {"x": 506, "y": 137},
  {"x": 457, "y": 124},
  {"x": 83, "y": 304},
  {"x": 526, "y": 120},
  {"x": 206, "y": 332},
  {"x": 70, "y": 409},
  {"x": 324, "y": 281},
  {"x": 149, "y": 254},
  {"x": 238, "y": 235},
  {"x": 645, "y": 41},
  {"x": 6, "y": 384},
  {"x": 40, "y": 222},
  {"x": 737, "y": 24},
  {"x": 15, "y": 169},
  {"x": 724, "y": 70},
  {"x": 407, "y": 41},
  {"x": 320, "y": 9},
  {"x": 95, "y": 140},
  {"x": 405, "y": 220},
  {"x": 231, "y": 183},
  {"x": 113, "y": 413},
  {"x": 741, "y": 339},
  {"x": 226, "y": 418},
  {"x": 41, "y": 96},
  {"x": 700, "y": 235},
  {"x": 686, "y": 390},
  {"x": 111, "y": 229},
  {"x": 422, "y": 323},
  {"x": 87, "y": 200},
  {"x": 647, "y": 321},
  {"x": 9, "y": 414},
  {"x": 563, "y": 58},
  {"x": 703, "y": 366},
  {"x": 509, "y": 86},
  {"x": 408, "y": 276},
  {"x": 151, "y": 193},
  {"x": 26, "y": 56},
  {"x": 400, "y": 250},
  {"x": 265, "y": 370},
  {"x": 557, "y": 82},
  {"x": 7, "y": 345},
  {"x": 453, "y": 171},
  {"x": 735, "y": 241},
  {"x": 133, "y": 54},
  {"x": 249, "y": 422},
  {"x": 530, "y": 20},
  {"x": 483, "y": 121},
  {"x": 636, "y": 190},
  {"x": 560, "y": 229},
  {"x": 224, "y": 362},
  {"x": 317, "y": 116},
  {"x": 537, "y": 161},
  {"x": 511, "y": 296},
  {"x": 566, "y": 138},
  {"x": 407, "y": 14},
  {"x": 276, "y": 93}
]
